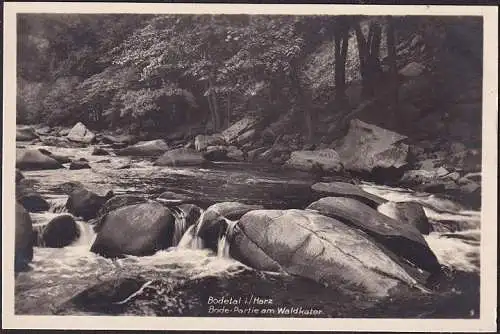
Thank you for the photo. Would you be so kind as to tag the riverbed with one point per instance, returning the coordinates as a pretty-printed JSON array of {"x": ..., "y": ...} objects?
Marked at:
[{"x": 180, "y": 281}]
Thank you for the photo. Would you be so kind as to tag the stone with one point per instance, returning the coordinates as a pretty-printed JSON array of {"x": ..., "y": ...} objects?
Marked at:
[
  {"x": 215, "y": 153},
  {"x": 343, "y": 189},
  {"x": 30, "y": 199},
  {"x": 245, "y": 124},
  {"x": 139, "y": 230},
  {"x": 99, "y": 151},
  {"x": 151, "y": 148},
  {"x": 80, "y": 133},
  {"x": 327, "y": 160},
  {"x": 32, "y": 159},
  {"x": 60, "y": 232},
  {"x": 367, "y": 147},
  {"x": 407, "y": 212},
  {"x": 402, "y": 239},
  {"x": 75, "y": 165},
  {"x": 246, "y": 137},
  {"x": 181, "y": 157},
  {"x": 310, "y": 245},
  {"x": 24, "y": 239},
  {"x": 25, "y": 133},
  {"x": 84, "y": 203},
  {"x": 201, "y": 142}
]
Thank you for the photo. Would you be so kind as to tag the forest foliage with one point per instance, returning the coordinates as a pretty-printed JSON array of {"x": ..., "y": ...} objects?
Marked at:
[{"x": 154, "y": 72}]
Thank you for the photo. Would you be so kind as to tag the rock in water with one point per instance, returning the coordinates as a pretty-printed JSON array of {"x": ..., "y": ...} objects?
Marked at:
[
  {"x": 81, "y": 134},
  {"x": 172, "y": 197},
  {"x": 314, "y": 246},
  {"x": 25, "y": 133},
  {"x": 60, "y": 232},
  {"x": 181, "y": 157},
  {"x": 75, "y": 165},
  {"x": 99, "y": 151},
  {"x": 151, "y": 148},
  {"x": 29, "y": 198},
  {"x": 84, "y": 203},
  {"x": 104, "y": 297},
  {"x": 35, "y": 160},
  {"x": 201, "y": 142},
  {"x": 402, "y": 239},
  {"x": 326, "y": 160},
  {"x": 407, "y": 212},
  {"x": 213, "y": 225},
  {"x": 367, "y": 147},
  {"x": 342, "y": 189},
  {"x": 139, "y": 229},
  {"x": 24, "y": 239}
]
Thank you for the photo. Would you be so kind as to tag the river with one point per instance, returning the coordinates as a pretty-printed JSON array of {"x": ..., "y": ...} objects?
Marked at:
[{"x": 180, "y": 280}]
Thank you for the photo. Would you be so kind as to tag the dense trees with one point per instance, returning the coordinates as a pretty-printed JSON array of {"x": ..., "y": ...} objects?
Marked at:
[{"x": 155, "y": 72}]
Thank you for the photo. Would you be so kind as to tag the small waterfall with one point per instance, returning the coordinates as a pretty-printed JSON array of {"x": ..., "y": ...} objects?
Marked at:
[
  {"x": 86, "y": 234},
  {"x": 58, "y": 205},
  {"x": 38, "y": 234},
  {"x": 190, "y": 238},
  {"x": 223, "y": 244},
  {"x": 180, "y": 225}
]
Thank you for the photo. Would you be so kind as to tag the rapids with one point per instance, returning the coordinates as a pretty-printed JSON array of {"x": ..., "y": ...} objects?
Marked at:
[{"x": 56, "y": 275}]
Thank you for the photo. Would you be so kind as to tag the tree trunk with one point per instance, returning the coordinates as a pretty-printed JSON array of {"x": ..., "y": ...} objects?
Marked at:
[
  {"x": 369, "y": 54},
  {"x": 228, "y": 112},
  {"x": 211, "y": 108},
  {"x": 341, "y": 35},
  {"x": 393, "y": 70}
]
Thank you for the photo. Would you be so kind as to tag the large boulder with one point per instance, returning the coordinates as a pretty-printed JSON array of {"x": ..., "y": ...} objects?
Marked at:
[
  {"x": 29, "y": 198},
  {"x": 114, "y": 203},
  {"x": 326, "y": 160},
  {"x": 343, "y": 189},
  {"x": 139, "y": 229},
  {"x": 35, "y": 160},
  {"x": 201, "y": 142},
  {"x": 181, "y": 157},
  {"x": 317, "y": 247},
  {"x": 23, "y": 253},
  {"x": 25, "y": 133},
  {"x": 151, "y": 148},
  {"x": 412, "y": 70},
  {"x": 407, "y": 212},
  {"x": 367, "y": 147},
  {"x": 60, "y": 232},
  {"x": 79, "y": 133},
  {"x": 245, "y": 124},
  {"x": 84, "y": 203},
  {"x": 246, "y": 137},
  {"x": 402, "y": 239}
]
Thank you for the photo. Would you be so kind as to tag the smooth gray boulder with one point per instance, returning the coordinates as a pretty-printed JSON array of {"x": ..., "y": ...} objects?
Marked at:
[
  {"x": 307, "y": 244},
  {"x": 138, "y": 229},
  {"x": 402, "y": 239}
]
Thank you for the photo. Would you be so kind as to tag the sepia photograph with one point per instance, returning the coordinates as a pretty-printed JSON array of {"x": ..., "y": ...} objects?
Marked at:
[{"x": 248, "y": 165}]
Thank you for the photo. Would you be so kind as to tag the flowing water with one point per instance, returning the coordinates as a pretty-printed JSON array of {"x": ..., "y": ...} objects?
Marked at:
[{"x": 180, "y": 280}]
